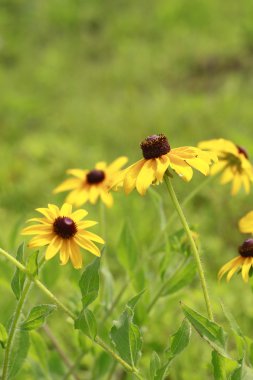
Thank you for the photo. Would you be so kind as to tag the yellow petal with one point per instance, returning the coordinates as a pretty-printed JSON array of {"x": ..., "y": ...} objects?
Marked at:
[
  {"x": 162, "y": 164},
  {"x": 117, "y": 164},
  {"x": 78, "y": 173},
  {"x": 245, "y": 268},
  {"x": 75, "y": 255},
  {"x": 199, "y": 164},
  {"x": 40, "y": 241},
  {"x": 220, "y": 145},
  {"x": 236, "y": 184},
  {"x": 37, "y": 229},
  {"x": 231, "y": 264},
  {"x": 246, "y": 223},
  {"x": 100, "y": 165},
  {"x": 93, "y": 194},
  {"x": 47, "y": 213},
  {"x": 88, "y": 245},
  {"x": 66, "y": 210},
  {"x": 69, "y": 184},
  {"x": 146, "y": 176},
  {"x": 180, "y": 167},
  {"x": 79, "y": 215},
  {"x": 131, "y": 175},
  {"x": 91, "y": 236},
  {"x": 64, "y": 253},
  {"x": 227, "y": 176},
  {"x": 86, "y": 224},
  {"x": 107, "y": 198},
  {"x": 53, "y": 248}
]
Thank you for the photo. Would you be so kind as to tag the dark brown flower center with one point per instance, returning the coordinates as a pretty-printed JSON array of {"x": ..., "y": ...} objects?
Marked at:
[
  {"x": 246, "y": 249},
  {"x": 64, "y": 227},
  {"x": 242, "y": 151},
  {"x": 95, "y": 176},
  {"x": 155, "y": 146}
]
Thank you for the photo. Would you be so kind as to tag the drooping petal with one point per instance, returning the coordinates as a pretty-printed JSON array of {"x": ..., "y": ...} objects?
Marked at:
[
  {"x": 180, "y": 167},
  {"x": 64, "y": 253},
  {"x": 245, "y": 268},
  {"x": 146, "y": 176},
  {"x": 231, "y": 264},
  {"x": 162, "y": 164},
  {"x": 131, "y": 175},
  {"x": 75, "y": 255},
  {"x": 53, "y": 248},
  {"x": 107, "y": 198}
]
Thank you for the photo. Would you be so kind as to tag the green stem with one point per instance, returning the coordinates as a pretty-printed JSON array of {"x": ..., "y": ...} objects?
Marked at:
[
  {"x": 12, "y": 329},
  {"x": 192, "y": 244},
  {"x": 174, "y": 214},
  {"x": 50, "y": 295}
]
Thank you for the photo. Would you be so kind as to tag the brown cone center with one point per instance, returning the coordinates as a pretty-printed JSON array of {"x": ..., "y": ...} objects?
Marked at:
[
  {"x": 246, "y": 249},
  {"x": 155, "y": 146},
  {"x": 64, "y": 227},
  {"x": 95, "y": 176}
]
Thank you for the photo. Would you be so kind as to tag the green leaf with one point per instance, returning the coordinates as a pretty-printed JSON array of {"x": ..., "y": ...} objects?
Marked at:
[
  {"x": 40, "y": 349},
  {"x": 218, "y": 366},
  {"x": 3, "y": 336},
  {"x": 181, "y": 278},
  {"x": 208, "y": 330},
  {"x": 243, "y": 372},
  {"x": 180, "y": 340},
  {"x": 19, "y": 352},
  {"x": 126, "y": 337},
  {"x": 127, "y": 248},
  {"x": 18, "y": 279},
  {"x": 232, "y": 322},
  {"x": 32, "y": 263},
  {"x": 133, "y": 301},
  {"x": 86, "y": 322},
  {"x": 89, "y": 283},
  {"x": 155, "y": 364},
  {"x": 37, "y": 317}
]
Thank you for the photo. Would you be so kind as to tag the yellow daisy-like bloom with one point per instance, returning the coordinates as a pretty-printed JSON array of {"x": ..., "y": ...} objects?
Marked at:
[
  {"x": 90, "y": 185},
  {"x": 233, "y": 162},
  {"x": 158, "y": 157},
  {"x": 243, "y": 262},
  {"x": 63, "y": 231},
  {"x": 246, "y": 223}
]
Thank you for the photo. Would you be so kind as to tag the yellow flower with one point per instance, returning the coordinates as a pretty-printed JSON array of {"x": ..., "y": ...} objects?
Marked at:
[
  {"x": 246, "y": 223},
  {"x": 244, "y": 261},
  {"x": 233, "y": 162},
  {"x": 65, "y": 232},
  {"x": 89, "y": 185},
  {"x": 158, "y": 157}
]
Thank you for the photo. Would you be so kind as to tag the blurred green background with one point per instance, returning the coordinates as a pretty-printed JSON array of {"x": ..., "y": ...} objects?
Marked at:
[{"x": 83, "y": 81}]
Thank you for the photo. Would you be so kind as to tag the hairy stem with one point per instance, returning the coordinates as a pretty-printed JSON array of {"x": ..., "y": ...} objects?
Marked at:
[{"x": 192, "y": 244}]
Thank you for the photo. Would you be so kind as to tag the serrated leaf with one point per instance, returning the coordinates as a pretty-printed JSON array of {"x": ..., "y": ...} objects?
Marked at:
[
  {"x": 18, "y": 280},
  {"x": 155, "y": 364},
  {"x": 133, "y": 301},
  {"x": 208, "y": 330},
  {"x": 218, "y": 366},
  {"x": 19, "y": 353},
  {"x": 89, "y": 283},
  {"x": 3, "y": 336},
  {"x": 243, "y": 372},
  {"x": 32, "y": 264},
  {"x": 181, "y": 278},
  {"x": 127, "y": 250},
  {"x": 37, "y": 317},
  {"x": 180, "y": 340},
  {"x": 86, "y": 322},
  {"x": 126, "y": 337}
]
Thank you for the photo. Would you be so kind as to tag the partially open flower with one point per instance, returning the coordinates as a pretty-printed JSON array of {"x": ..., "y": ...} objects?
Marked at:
[
  {"x": 157, "y": 158},
  {"x": 244, "y": 262},
  {"x": 233, "y": 163},
  {"x": 90, "y": 185},
  {"x": 63, "y": 231}
]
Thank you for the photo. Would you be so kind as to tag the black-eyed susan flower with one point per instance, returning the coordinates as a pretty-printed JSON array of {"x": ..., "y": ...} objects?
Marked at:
[
  {"x": 157, "y": 158},
  {"x": 90, "y": 185},
  {"x": 244, "y": 262},
  {"x": 233, "y": 163},
  {"x": 63, "y": 231},
  {"x": 246, "y": 223}
]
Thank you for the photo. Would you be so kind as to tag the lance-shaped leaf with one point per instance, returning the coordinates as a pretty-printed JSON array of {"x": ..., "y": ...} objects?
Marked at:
[
  {"x": 126, "y": 337},
  {"x": 208, "y": 330},
  {"x": 243, "y": 372},
  {"x": 181, "y": 278},
  {"x": 218, "y": 366},
  {"x": 3, "y": 336},
  {"x": 37, "y": 317},
  {"x": 89, "y": 283},
  {"x": 18, "y": 279},
  {"x": 155, "y": 364},
  {"x": 19, "y": 352},
  {"x": 127, "y": 250},
  {"x": 32, "y": 264},
  {"x": 86, "y": 322}
]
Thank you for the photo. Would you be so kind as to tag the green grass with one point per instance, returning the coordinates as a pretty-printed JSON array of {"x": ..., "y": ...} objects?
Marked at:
[{"x": 87, "y": 81}]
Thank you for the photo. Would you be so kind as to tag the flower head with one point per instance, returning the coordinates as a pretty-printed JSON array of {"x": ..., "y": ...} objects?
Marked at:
[
  {"x": 90, "y": 185},
  {"x": 63, "y": 231},
  {"x": 244, "y": 262},
  {"x": 157, "y": 158},
  {"x": 233, "y": 163}
]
